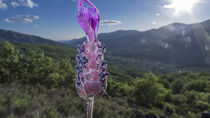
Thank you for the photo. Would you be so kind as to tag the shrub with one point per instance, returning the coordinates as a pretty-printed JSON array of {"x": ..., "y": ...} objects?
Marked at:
[
  {"x": 2, "y": 111},
  {"x": 178, "y": 99},
  {"x": 148, "y": 92},
  {"x": 50, "y": 112},
  {"x": 169, "y": 108},
  {"x": 20, "y": 106},
  {"x": 197, "y": 85},
  {"x": 177, "y": 85}
]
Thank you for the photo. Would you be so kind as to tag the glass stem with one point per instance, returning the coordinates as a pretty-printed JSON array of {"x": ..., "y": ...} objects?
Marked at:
[{"x": 90, "y": 107}]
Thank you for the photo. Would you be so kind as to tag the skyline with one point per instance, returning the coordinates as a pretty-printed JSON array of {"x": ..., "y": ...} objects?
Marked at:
[{"x": 56, "y": 19}]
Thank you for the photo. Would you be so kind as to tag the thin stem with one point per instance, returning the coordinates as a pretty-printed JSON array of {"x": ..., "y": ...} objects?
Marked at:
[{"x": 90, "y": 107}]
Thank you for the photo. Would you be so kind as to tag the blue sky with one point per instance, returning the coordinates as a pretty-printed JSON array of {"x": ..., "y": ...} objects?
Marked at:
[{"x": 55, "y": 19}]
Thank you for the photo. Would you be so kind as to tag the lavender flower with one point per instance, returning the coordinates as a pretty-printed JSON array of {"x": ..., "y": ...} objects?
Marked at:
[{"x": 91, "y": 78}]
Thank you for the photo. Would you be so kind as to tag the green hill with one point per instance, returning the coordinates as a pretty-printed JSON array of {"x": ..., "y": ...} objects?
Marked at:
[
  {"x": 26, "y": 42},
  {"x": 37, "y": 81},
  {"x": 177, "y": 44},
  {"x": 15, "y": 37}
]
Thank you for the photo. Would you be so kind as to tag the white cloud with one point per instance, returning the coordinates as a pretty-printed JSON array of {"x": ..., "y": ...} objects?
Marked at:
[
  {"x": 167, "y": 6},
  {"x": 22, "y": 19},
  {"x": 157, "y": 14},
  {"x": 74, "y": 0},
  {"x": 110, "y": 22},
  {"x": 25, "y": 3},
  {"x": 31, "y": 4},
  {"x": 15, "y": 4},
  {"x": 3, "y": 5},
  {"x": 154, "y": 22}
]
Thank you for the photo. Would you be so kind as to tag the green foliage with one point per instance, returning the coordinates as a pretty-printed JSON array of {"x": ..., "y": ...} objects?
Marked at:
[
  {"x": 19, "y": 106},
  {"x": 34, "y": 84},
  {"x": 148, "y": 92},
  {"x": 37, "y": 101},
  {"x": 169, "y": 108},
  {"x": 178, "y": 99},
  {"x": 50, "y": 112},
  {"x": 34, "y": 68},
  {"x": 197, "y": 85},
  {"x": 117, "y": 89},
  {"x": 177, "y": 85}
]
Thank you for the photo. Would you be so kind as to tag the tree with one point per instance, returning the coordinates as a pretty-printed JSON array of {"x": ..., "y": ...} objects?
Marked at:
[
  {"x": 9, "y": 62},
  {"x": 148, "y": 92}
]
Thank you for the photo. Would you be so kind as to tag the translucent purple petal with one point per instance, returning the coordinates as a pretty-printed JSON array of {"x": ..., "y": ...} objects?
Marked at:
[{"x": 89, "y": 19}]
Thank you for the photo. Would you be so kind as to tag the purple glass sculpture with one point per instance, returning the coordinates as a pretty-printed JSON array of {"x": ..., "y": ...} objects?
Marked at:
[{"x": 91, "y": 78}]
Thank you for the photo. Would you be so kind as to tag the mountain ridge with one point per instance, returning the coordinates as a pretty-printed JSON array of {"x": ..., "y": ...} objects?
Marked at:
[
  {"x": 25, "y": 43},
  {"x": 175, "y": 23},
  {"x": 179, "y": 45},
  {"x": 17, "y": 37},
  {"x": 186, "y": 45}
]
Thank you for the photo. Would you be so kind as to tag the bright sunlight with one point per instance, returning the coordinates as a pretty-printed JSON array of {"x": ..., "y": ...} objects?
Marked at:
[{"x": 182, "y": 5}]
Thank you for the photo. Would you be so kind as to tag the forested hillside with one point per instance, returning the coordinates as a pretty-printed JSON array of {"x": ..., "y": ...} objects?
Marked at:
[
  {"x": 35, "y": 85},
  {"x": 25, "y": 42},
  {"x": 177, "y": 44}
]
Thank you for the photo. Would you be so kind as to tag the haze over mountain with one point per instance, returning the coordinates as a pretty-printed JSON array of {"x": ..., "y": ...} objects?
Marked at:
[
  {"x": 183, "y": 45},
  {"x": 170, "y": 47},
  {"x": 15, "y": 37},
  {"x": 26, "y": 42}
]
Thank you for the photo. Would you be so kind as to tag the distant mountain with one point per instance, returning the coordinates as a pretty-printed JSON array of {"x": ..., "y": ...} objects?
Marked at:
[
  {"x": 27, "y": 43},
  {"x": 183, "y": 45},
  {"x": 15, "y": 37}
]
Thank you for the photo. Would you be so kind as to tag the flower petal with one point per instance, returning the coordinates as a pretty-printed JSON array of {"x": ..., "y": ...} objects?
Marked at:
[{"x": 89, "y": 19}]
